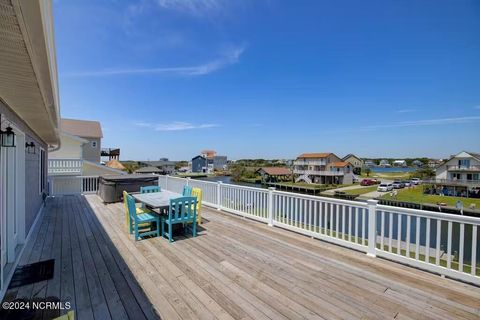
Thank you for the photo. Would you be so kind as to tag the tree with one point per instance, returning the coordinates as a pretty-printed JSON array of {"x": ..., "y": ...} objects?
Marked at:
[{"x": 367, "y": 171}]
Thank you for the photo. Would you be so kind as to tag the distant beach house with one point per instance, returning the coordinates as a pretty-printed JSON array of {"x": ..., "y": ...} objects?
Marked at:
[
  {"x": 465, "y": 166},
  {"x": 208, "y": 161},
  {"x": 274, "y": 174},
  {"x": 79, "y": 152},
  {"x": 399, "y": 163},
  {"x": 355, "y": 161},
  {"x": 199, "y": 164},
  {"x": 417, "y": 163},
  {"x": 323, "y": 168},
  {"x": 384, "y": 163},
  {"x": 369, "y": 164},
  {"x": 458, "y": 176},
  {"x": 149, "y": 169},
  {"x": 163, "y": 165}
]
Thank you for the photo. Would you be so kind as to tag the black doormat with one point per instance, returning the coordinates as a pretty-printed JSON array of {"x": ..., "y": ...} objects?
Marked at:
[{"x": 31, "y": 273}]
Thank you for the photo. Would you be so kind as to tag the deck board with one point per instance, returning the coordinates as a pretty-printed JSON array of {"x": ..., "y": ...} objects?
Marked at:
[{"x": 235, "y": 269}]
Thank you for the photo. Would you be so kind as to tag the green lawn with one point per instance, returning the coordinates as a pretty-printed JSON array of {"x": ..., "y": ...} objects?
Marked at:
[
  {"x": 415, "y": 195},
  {"x": 360, "y": 191}
]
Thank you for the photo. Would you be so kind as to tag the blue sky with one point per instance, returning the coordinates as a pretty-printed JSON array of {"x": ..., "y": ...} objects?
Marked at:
[{"x": 271, "y": 78}]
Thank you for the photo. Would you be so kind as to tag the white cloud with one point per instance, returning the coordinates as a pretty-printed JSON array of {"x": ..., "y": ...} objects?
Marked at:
[
  {"x": 404, "y": 110},
  {"x": 175, "y": 126},
  {"x": 229, "y": 57},
  {"x": 193, "y": 7},
  {"x": 428, "y": 122}
]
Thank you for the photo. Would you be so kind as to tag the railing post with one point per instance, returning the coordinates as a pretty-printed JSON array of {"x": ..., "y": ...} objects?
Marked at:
[
  {"x": 372, "y": 227},
  {"x": 188, "y": 181},
  {"x": 270, "y": 206},
  {"x": 219, "y": 192},
  {"x": 166, "y": 182}
]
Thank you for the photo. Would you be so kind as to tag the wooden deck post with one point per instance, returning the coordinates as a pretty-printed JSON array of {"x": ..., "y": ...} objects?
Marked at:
[
  {"x": 372, "y": 227},
  {"x": 270, "y": 206}
]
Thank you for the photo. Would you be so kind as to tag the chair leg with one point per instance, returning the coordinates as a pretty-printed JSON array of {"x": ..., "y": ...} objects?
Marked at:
[
  {"x": 158, "y": 227},
  {"x": 137, "y": 236},
  {"x": 163, "y": 228},
  {"x": 130, "y": 228},
  {"x": 194, "y": 228},
  {"x": 170, "y": 235}
]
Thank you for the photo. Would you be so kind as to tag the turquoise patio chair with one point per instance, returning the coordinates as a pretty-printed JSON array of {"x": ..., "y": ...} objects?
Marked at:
[
  {"x": 141, "y": 219},
  {"x": 150, "y": 189},
  {"x": 181, "y": 210},
  {"x": 187, "y": 191}
]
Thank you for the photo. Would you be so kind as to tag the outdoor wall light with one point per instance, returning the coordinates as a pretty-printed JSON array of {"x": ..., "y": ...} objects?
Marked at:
[
  {"x": 7, "y": 137},
  {"x": 30, "y": 147}
]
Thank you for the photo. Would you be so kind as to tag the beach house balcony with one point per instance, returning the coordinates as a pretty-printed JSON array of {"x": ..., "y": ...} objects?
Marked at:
[
  {"x": 65, "y": 166},
  {"x": 318, "y": 172},
  {"x": 473, "y": 168},
  {"x": 260, "y": 254}
]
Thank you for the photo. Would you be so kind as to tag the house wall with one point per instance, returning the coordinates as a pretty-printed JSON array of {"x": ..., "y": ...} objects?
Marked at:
[
  {"x": 91, "y": 153},
  {"x": 70, "y": 149},
  {"x": 33, "y": 197},
  {"x": 219, "y": 162},
  {"x": 198, "y": 164},
  {"x": 443, "y": 173},
  {"x": 355, "y": 162}
]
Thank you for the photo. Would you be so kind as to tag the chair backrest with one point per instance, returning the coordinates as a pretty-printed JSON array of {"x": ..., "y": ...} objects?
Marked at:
[
  {"x": 187, "y": 191},
  {"x": 182, "y": 209},
  {"x": 197, "y": 192},
  {"x": 150, "y": 189},
  {"x": 125, "y": 194},
  {"x": 132, "y": 210}
]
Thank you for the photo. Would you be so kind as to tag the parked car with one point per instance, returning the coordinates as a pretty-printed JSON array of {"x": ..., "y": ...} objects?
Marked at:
[
  {"x": 385, "y": 187},
  {"x": 416, "y": 181},
  {"x": 398, "y": 185},
  {"x": 406, "y": 183},
  {"x": 369, "y": 182}
]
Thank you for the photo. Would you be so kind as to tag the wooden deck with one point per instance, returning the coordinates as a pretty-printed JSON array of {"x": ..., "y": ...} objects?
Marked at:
[{"x": 234, "y": 269}]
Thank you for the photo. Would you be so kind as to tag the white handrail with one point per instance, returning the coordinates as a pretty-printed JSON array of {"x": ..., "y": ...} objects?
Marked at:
[{"x": 423, "y": 239}]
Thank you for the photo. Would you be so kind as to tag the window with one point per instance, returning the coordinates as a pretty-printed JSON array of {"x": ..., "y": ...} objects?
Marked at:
[
  {"x": 42, "y": 171},
  {"x": 93, "y": 144},
  {"x": 464, "y": 163}
]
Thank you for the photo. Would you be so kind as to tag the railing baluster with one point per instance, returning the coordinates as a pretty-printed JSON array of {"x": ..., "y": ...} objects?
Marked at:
[
  {"x": 460, "y": 254},
  {"x": 473, "y": 271},
  {"x": 408, "y": 235},
  {"x": 399, "y": 234},
  {"x": 417, "y": 237},
  {"x": 357, "y": 238},
  {"x": 364, "y": 226},
  {"x": 382, "y": 228},
  {"x": 437, "y": 251},
  {"x": 343, "y": 222},
  {"x": 350, "y": 218},
  {"x": 427, "y": 242},
  {"x": 337, "y": 221},
  {"x": 449, "y": 245},
  {"x": 310, "y": 215},
  {"x": 390, "y": 231}
]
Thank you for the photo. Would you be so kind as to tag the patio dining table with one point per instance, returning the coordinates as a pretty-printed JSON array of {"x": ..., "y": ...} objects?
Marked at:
[{"x": 156, "y": 200}]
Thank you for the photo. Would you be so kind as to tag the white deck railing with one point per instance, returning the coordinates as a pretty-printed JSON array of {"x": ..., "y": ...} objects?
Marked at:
[
  {"x": 65, "y": 166},
  {"x": 442, "y": 243},
  {"x": 65, "y": 185}
]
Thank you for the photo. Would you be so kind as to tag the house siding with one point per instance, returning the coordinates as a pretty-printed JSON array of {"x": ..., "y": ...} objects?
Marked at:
[
  {"x": 33, "y": 197},
  {"x": 92, "y": 153}
]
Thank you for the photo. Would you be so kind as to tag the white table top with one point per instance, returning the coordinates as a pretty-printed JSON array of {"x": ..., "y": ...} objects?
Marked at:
[{"x": 156, "y": 199}]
